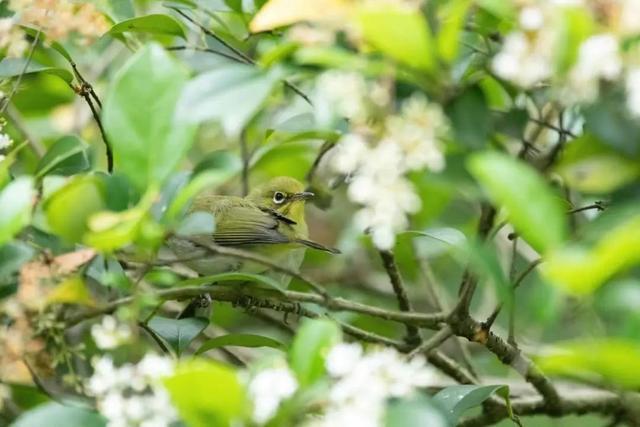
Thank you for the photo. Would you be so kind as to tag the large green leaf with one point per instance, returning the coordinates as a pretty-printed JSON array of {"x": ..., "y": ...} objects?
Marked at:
[
  {"x": 241, "y": 340},
  {"x": 152, "y": 24},
  {"x": 537, "y": 214},
  {"x": 67, "y": 156},
  {"x": 231, "y": 94},
  {"x": 13, "y": 67},
  {"x": 68, "y": 209},
  {"x": 16, "y": 200},
  {"x": 309, "y": 349},
  {"x": 178, "y": 332},
  {"x": 610, "y": 360},
  {"x": 459, "y": 398},
  {"x": 207, "y": 394},
  {"x": 471, "y": 118},
  {"x": 54, "y": 414},
  {"x": 415, "y": 411},
  {"x": 453, "y": 20},
  {"x": 402, "y": 34},
  {"x": 139, "y": 120}
]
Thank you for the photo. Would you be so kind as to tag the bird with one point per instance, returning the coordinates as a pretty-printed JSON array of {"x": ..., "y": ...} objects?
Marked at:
[{"x": 269, "y": 221}]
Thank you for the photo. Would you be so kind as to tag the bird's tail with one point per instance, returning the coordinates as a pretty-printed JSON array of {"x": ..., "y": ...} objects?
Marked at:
[{"x": 315, "y": 245}]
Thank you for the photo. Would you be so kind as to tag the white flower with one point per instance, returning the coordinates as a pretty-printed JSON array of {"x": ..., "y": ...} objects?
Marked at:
[
  {"x": 268, "y": 388},
  {"x": 109, "y": 334},
  {"x": 629, "y": 13},
  {"x": 531, "y": 18},
  {"x": 598, "y": 59},
  {"x": 633, "y": 91},
  {"x": 340, "y": 94},
  {"x": 348, "y": 155},
  {"x": 133, "y": 395},
  {"x": 343, "y": 358},
  {"x": 2, "y": 157},
  {"x": 5, "y": 141},
  {"x": 525, "y": 61}
]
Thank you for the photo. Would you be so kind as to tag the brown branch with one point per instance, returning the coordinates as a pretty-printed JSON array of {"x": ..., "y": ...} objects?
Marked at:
[
  {"x": 389, "y": 263},
  {"x": 432, "y": 343}
]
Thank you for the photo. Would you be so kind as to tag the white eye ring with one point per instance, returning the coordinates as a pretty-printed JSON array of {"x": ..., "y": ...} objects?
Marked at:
[{"x": 278, "y": 197}]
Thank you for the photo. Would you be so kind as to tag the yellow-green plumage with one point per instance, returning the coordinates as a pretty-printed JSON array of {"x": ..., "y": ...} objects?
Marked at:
[{"x": 270, "y": 221}]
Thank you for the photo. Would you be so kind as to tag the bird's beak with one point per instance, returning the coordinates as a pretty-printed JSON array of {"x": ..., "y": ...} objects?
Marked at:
[{"x": 305, "y": 195}]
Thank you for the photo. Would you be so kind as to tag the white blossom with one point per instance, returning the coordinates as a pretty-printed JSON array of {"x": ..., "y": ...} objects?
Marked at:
[
  {"x": 524, "y": 60},
  {"x": 133, "y": 395},
  {"x": 365, "y": 381},
  {"x": 5, "y": 141},
  {"x": 629, "y": 13},
  {"x": 598, "y": 59},
  {"x": 531, "y": 18},
  {"x": 109, "y": 334},
  {"x": 2, "y": 157},
  {"x": 633, "y": 91},
  {"x": 268, "y": 388},
  {"x": 340, "y": 94}
]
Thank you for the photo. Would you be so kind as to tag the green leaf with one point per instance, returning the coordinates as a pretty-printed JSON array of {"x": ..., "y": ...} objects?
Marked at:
[
  {"x": 12, "y": 256},
  {"x": 401, "y": 34},
  {"x": 53, "y": 414},
  {"x": 471, "y": 118},
  {"x": 240, "y": 340},
  {"x": 453, "y": 19},
  {"x": 138, "y": 117},
  {"x": 586, "y": 165},
  {"x": 16, "y": 200},
  {"x": 67, "y": 156},
  {"x": 150, "y": 24},
  {"x": 459, "y": 398},
  {"x": 13, "y": 67},
  {"x": 414, "y": 411},
  {"x": 309, "y": 349},
  {"x": 178, "y": 332},
  {"x": 207, "y": 394},
  {"x": 196, "y": 223},
  {"x": 68, "y": 209},
  {"x": 219, "y": 160},
  {"x": 233, "y": 277},
  {"x": 122, "y": 9},
  {"x": 610, "y": 121},
  {"x": 612, "y": 360},
  {"x": 216, "y": 95},
  {"x": 537, "y": 214}
]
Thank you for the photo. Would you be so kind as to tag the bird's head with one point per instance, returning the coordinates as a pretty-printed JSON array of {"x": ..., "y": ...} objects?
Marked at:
[{"x": 284, "y": 195}]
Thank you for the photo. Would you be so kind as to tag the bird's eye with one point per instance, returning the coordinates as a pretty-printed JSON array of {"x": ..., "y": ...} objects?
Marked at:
[{"x": 278, "y": 197}]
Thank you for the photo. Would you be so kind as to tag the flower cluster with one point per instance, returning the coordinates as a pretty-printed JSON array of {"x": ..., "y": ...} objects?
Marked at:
[
  {"x": 268, "y": 389},
  {"x": 535, "y": 53},
  {"x": 109, "y": 334},
  {"x": 364, "y": 381},
  {"x": 5, "y": 140},
  {"x": 12, "y": 39},
  {"x": 133, "y": 395},
  {"x": 376, "y": 162}
]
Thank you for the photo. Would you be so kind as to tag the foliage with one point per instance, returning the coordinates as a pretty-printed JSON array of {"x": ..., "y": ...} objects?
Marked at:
[{"x": 477, "y": 163}]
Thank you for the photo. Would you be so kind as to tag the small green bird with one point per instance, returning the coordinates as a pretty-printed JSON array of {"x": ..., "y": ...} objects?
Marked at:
[{"x": 270, "y": 221}]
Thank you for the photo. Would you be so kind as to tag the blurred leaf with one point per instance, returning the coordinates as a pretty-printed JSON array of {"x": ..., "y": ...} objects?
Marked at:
[
  {"x": 16, "y": 200},
  {"x": 453, "y": 19},
  {"x": 207, "y": 394},
  {"x": 13, "y": 67},
  {"x": 67, "y": 156},
  {"x": 610, "y": 121},
  {"x": 277, "y": 13},
  {"x": 72, "y": 290},
  {"x": 196, "y": 223},
  {"x": 12, "y": 256},
  {"x": 233, "y": 277},
  {"x": 580, "y": 270},
  {"x": 537, "y": 214},
  {"x": 599, "y": 360},
  {"x": 216, "y": 95},
  {"x": 151, "y": 24},
  {"x": 484, "y": 261},
  {"x": 512, "y": 123},
  {"x": 437, "y": 240},
  {"x": 178, "y": 333},
  {"x": 415, "y": 411},
  {"x": 459, "y": 398},
  {"x": 309, "y": 349},
  {"x": 471, "y": 118},
  {"x": 53, "y": 414},
  {"x": 122, "y": 9},
  {"x": 574, "y": 25},
  {"x": 147, "y": 147},
  {"x": 219, "y": 160},
  {"x": 240, "y": 340},
  {"x": 586, "y": 165},
  {"x": 402, "y": 34},
  {"x": 54, "y": 44},
  {"x": 68, "y": 209}
]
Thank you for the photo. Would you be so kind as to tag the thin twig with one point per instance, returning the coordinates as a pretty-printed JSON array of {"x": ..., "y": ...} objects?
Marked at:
[
  {"x": 389, "y": 263},
  {"x": 208, "y": 50},
  {"x": 432, "y": 343},
  {"x": 16, "y": 85},
  {"x": 600, "y": 206}
]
